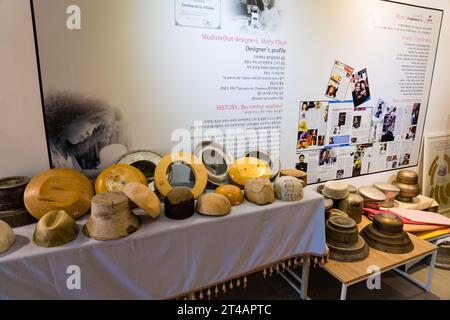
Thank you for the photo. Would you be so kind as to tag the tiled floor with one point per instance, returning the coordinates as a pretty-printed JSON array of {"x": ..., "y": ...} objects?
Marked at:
[{"x": 324, "y": 287}]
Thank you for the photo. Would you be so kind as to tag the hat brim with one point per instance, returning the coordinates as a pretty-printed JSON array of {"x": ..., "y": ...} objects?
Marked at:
[
  {"x": 396, "y": 244},
  {"x": 357, "y": 252},
  {"x": 95, "y": 232}
]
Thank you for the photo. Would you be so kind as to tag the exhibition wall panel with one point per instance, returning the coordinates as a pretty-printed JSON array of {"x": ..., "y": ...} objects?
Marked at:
[{"x": 341, "y": 44}]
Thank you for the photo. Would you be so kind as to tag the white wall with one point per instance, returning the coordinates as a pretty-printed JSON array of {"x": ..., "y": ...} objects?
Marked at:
[{"x": 22, "y": 140}]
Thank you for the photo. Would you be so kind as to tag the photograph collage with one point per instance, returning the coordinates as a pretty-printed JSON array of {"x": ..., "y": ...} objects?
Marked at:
[{"x": 339, "y": 139}]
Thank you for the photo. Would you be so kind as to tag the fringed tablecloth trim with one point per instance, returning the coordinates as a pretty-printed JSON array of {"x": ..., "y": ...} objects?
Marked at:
[{"x": 215, "y": 289}]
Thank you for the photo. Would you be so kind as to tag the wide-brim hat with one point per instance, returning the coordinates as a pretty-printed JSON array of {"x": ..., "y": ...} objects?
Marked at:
[
  {"x": 336, "y": 190},
  {"x": 213, "y": 204},
  {"x": 111, "y": 217},
  {"x": 7, "y": 237},
  {"x": 55, "y": 229},
  {"x": 144, "y": 198},
  {"x": 343, "y": 240},
  {"x": 59, "y": 189},
  {"x": 386, "y": 234},
  {"x": 216, "y": 160}
]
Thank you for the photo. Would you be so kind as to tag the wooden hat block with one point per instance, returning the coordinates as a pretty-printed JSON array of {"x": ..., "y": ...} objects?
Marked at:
[{"x": 111, "y": 217}]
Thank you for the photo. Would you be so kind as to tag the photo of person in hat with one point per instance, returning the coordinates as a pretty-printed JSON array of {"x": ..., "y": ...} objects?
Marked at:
[{"x": 78, "y": 129}]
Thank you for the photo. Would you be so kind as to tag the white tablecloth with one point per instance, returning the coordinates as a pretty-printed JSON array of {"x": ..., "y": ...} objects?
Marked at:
[{"x": 166, "y": 258}]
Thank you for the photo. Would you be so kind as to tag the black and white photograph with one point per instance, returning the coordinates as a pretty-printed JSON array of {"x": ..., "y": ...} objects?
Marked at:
[
  {"x": 83, "y": 133},
  {"x": 255, "y": 16}
]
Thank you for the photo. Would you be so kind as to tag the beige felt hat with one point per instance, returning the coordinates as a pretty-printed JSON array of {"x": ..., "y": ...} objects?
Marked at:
[
  {"x": 288, "y": 189},
  {"x": 111, "y": 217},
  {"x": 144, "y": 198},
  {"x": 59, "y": 189},
  {"x": 7, "y": 237},
  {"x": 259, "y": 191},
  {"x": 213, "y": 204},
  {"x": 336, "y": 190},
  {"x": 55, "y": 229}
]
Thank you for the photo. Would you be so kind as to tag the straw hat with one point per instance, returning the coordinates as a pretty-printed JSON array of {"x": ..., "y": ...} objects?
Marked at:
[
  {"x": 216, "y": 160},
  {"x": 390, "y": 191},
  {"x": 144, "y": 198},
  {"x": 288, "y": 189},
  {"x": 55, "y": 229},
  {"x": 116, "y": 177},
  {"x": 353, "y": 206},
  {"x": 273, "y": 161},
  {"x": 336, "y": 190},
  {"x": 179, "y": 204},
  {"x": 233, "y": 193},
  {"x": 111, "y": 217},
  {"x": 343, "y": 240},
  {"x": 246, "y": 169},
  {"x": 59, "y": 189},
  {"x": 259, "y": 191},
  {"x": 7, "y": 237},
  {"x": 213, "y": 204},
  {"x": 386, "y": 234}
]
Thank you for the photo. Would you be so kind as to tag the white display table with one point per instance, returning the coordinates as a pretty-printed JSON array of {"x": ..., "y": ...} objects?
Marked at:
[{"x": 165, "y": 258}]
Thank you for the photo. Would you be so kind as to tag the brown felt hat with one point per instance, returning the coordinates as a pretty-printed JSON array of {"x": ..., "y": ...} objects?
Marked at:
[{"x": 179, "y": 203}]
